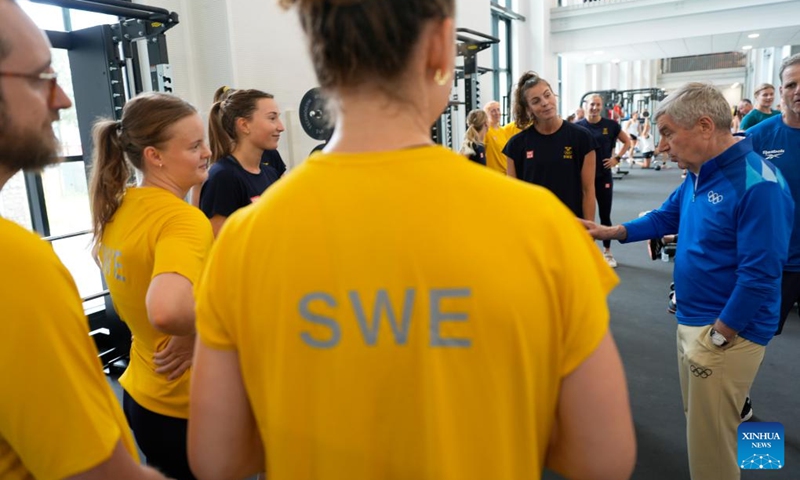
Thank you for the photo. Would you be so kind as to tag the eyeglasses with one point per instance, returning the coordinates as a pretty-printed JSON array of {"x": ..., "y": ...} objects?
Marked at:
[{"x": 50, "y": 77}]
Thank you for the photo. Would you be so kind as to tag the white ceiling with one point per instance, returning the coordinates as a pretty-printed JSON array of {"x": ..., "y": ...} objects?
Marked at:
[
  {"x": 698, "y": 45},
  {"x": 653, "y": 29}
]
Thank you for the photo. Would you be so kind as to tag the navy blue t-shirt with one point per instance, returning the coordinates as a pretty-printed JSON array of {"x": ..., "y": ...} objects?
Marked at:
[
  {"x": 480, "y": 154},
  {"x": 273, "y": 159},
  {"x": 230, "y": 187},
  {"x": 604, "y": 133},
  {"x": 553, "y": 161}
]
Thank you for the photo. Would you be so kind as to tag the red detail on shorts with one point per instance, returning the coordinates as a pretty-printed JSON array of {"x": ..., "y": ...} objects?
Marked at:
[
  {"x": 253, "y": 199},
  {"x": 529, "y": 154},
  {"x": 608, "y": 185}
]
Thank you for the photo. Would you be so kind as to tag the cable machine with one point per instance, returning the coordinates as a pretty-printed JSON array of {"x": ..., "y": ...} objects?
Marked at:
[
  {"x": 470, "y": 44},
  {"x": 110, "y": 64},
  {"x": 639, "y": 100}
]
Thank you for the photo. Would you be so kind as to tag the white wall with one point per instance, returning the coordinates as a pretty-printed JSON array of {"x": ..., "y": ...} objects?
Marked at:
[
  {"x": 579, "y": 77},
  {"x": 255, "y": 44},
  {"x": 475, "y": 15}
]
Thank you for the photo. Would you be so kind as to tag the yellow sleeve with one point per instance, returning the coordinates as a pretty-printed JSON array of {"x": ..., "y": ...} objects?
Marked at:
[
  {"x": 510, "y": 129},
  {"x": 586, "y": 280},
  {"x": 213, "y": 294},
  {"x": 57, "y": 412},
  {"x": 183, "y": 244}
]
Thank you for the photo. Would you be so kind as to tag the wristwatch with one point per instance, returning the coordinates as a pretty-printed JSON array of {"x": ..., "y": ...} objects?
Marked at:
[
  {"x": 617, "y": 158},
  {"x": 718, "y": 339}
]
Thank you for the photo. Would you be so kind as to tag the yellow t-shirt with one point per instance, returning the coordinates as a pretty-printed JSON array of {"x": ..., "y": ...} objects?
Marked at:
[
  {"x": 153, "y": 232},
  {"x": 496, "y": 139},
  {"x": 58, "y": 416},
  {"x": 379, "y": 333}
]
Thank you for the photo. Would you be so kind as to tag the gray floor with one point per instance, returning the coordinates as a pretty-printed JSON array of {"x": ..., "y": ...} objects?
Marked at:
[{"x": 645, "y": 335}]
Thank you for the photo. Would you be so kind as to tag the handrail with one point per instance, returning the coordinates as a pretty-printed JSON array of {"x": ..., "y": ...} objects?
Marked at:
[
  {"x": 95, "y": 296},
  {"x": 113, "y": 7},
  {"x": 477, "y": 37},
  {"x": 54, "y": 238}
]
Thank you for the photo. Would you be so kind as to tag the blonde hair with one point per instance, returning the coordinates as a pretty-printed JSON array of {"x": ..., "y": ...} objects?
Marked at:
[
  {"x": 762, "y": 87},
  {"x": 476, "y": 120}
]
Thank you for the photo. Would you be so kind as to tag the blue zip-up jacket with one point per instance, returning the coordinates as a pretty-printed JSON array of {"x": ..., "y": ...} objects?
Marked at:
[{"x": 734, "y": 220}]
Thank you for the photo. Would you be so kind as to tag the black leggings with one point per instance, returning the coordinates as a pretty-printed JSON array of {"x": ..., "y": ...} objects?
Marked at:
[
  {"x": 162, "y": 439},
  {"x": 604, "y": 191}
]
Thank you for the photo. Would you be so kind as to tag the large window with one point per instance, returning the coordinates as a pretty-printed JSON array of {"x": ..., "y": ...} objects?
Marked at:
[
  {"x": 55, "y": 202},
  {"x": 503, "y": 18},
  {"x": 501, "y": 28}
]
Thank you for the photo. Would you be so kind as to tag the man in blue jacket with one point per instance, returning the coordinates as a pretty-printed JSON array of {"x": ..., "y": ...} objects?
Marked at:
[
  {"x": 778, "y": 140},
  {"x": 727, "y": 270}
]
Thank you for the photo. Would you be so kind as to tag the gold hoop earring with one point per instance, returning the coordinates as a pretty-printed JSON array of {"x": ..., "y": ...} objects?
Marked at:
[{"x": 440, "y": 78}]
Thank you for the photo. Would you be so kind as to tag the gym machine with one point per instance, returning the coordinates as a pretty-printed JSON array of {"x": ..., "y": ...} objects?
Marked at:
[
  {"x": 109, "y": 64},
  {"x": 637, "y": 100},
  {"x": 470, "y": 43},
  {"x": 315, "y": 117}
]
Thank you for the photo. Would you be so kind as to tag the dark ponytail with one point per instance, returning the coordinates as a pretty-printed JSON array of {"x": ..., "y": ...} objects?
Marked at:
[
  {"x": 222, "y": 119},
  {"x": 527, "y": 81}
]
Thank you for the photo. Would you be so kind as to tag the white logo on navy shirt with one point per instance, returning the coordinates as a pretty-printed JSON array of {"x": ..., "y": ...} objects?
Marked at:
[
  {"x": 770, "y": 154},
  {"x": 714, "y": 197}
]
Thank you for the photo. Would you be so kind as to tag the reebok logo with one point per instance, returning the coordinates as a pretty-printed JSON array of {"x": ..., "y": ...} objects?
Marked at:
[{"x": 770, "y": 154}]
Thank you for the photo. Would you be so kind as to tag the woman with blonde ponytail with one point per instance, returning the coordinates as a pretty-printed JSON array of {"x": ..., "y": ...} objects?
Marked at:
[
  {"x": 151, "y": 246},
  {"x": 473, "y": 146}
]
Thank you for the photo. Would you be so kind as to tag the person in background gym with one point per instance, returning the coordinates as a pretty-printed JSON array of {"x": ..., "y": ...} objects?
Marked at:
[
  {"x": 765, "y": 97},
  {"x": 778, "y": 140},
  {"x": 606, "y": 133},
  {"x": 580, "y": 114},
  {"x": 270, "y": 158},
  {"x": 58, "y": 416},
  {"x": 551, "y": 153},
  {"x": 632, "y": 127},
  {"x": 473, "y": 145},
  {"x": 241, "y": 128},
  {"x": 647, "y": 144},
  {"x": 152, "y": 246},
  {"x": 496, "y": 138},
  {"x": 486, "y": 365}
]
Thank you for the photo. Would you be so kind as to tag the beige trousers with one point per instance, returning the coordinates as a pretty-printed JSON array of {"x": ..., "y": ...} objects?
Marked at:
[{"x": 714, "y": 383}]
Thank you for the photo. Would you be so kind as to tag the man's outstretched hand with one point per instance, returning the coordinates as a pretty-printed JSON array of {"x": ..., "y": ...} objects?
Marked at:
[{"x": 601, "y": 232}]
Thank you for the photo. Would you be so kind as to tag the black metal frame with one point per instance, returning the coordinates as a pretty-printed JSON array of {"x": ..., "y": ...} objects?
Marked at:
[
  {"x": 120, "y": 8},
  {"x": 98, "y": 81},
  {"x": 623, "y": 97},
  {"x": 470, "y": 43},
  {"x": 506, "y": 50}
]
